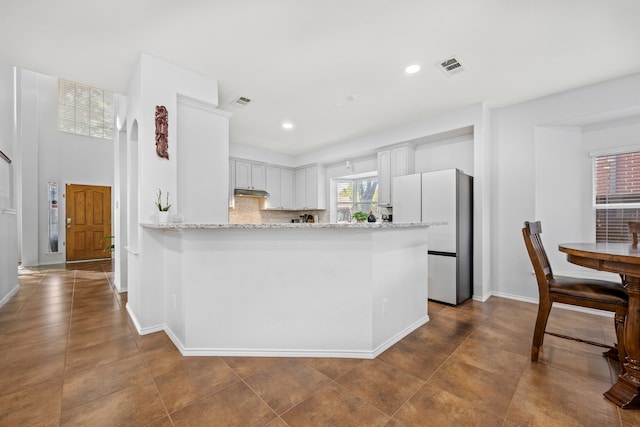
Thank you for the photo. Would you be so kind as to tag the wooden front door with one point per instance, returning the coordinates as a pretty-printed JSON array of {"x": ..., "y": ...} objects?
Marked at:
[{"x": 88, "y": 221}]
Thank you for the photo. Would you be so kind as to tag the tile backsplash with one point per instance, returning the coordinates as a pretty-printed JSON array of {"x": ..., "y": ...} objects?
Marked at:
[{"x": 248, "y": 211}]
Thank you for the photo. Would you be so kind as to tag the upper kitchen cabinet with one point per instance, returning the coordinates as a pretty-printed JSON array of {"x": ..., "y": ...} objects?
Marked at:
[
  {"x": 252, "y": 176},
  {"x": 280, "y": 188},
  {"x": 310, "y": 187},
  {"x": 384, "y": 178},
  {"x": 392, "y": 162}
]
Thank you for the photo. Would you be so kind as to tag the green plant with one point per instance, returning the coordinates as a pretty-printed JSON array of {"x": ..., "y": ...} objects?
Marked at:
[
  {"x": 161, "y": 208},
  {"x": 112, "y": 246},
  {"x": 360, "y": 216}
]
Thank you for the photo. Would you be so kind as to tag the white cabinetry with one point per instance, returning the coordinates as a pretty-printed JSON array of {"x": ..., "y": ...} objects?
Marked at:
[
  {"x": 279, "y": 185},
  {"x": 250, "y": 175},
  {"x": 310, "y": 188},
  {"x": 286, "y": 188},
  {"x": 242, "y": 175},
  {"x": 395, "y": 161},
  {"x": 402, "y": 160},
  {"x": 258, "y": 176},
  {"x": 300, "y": 199},
  {"x": 384, "y": 178}
]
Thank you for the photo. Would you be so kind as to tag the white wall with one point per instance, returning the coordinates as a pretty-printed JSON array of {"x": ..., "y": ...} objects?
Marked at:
[
  {"x": 119, "y": 193},
  {"x": 8, "y": 194},
  {"x": 203, "y": 135},
  {"x": 159, "y": 83},
  {"x": 241, "y": 151},
  {"x": 531, "y": 151},
  {"x": 559, "y": 177},
  {"x": 7, "y": 129},
  {"x": 154, "y": 83},
  {"x": 446, "y": 154},
  {"x": 358, "y": 165},
  {"x": 49, "y": 155},
  {"x": 27, "y": 147}
]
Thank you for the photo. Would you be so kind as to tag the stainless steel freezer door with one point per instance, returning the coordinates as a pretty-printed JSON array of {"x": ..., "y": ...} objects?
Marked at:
[{"x": 442, "y": 278}]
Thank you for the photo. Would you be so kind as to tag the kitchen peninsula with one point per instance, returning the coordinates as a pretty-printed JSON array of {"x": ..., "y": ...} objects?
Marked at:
[{"x": 313, "y": 290}]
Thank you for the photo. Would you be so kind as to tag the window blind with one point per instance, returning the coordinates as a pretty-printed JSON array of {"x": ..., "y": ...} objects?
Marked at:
[
  {"x": 353, "y": 195},
  {"x": 616, "y": 195},
  {"x": 344, "y": 201}
]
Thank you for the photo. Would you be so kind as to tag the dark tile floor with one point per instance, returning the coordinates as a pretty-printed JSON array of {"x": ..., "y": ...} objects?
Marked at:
[{"x": 69, "y": 355}]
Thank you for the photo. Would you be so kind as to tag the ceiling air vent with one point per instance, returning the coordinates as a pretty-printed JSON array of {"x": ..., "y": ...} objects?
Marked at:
[
  {"x": 450, "y": 66},
  {"x": 240, "y": 101}
]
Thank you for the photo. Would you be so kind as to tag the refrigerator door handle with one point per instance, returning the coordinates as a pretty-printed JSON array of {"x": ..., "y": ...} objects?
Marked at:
[{"x": 441, "y": 253}]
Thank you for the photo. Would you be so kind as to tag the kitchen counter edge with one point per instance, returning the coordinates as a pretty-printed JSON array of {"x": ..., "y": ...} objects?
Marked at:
[{"x": 366, "y": 225}]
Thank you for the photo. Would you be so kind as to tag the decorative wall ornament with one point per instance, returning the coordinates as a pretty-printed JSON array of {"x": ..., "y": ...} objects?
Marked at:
[{"x": 162, "y": 131}]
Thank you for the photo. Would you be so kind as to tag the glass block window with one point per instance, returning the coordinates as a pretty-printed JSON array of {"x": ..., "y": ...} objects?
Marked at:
[{"x": 85, "y": 110}]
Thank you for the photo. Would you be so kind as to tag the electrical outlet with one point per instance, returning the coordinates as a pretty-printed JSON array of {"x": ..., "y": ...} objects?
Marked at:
[{"x": 385, "y": 306}]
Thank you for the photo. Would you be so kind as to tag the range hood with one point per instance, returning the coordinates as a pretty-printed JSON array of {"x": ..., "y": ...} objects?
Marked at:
[{"x": 250, "y": 193}]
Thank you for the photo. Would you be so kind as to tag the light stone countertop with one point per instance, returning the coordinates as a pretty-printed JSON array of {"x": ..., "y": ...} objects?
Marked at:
[{"x": 363, "y": 225}]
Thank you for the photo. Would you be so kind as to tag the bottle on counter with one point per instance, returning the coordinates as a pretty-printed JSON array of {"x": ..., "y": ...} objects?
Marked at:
[{"x": 371, "y": 217}]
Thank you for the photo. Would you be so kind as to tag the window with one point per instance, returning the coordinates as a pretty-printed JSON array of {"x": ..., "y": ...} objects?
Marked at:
[
  {"x": 353, "y": 195},
  {"x": 85, "y": 110},
  {"x": 616, "y": 195}
]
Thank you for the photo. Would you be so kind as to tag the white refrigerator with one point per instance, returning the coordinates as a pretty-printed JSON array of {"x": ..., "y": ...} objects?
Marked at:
[{"x": 444, "y": 200}]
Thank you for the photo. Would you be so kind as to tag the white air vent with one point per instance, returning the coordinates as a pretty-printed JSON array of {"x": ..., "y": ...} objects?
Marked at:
[
  {"x": 240, "y": 101},
  {"x": 450, "y": 66}
]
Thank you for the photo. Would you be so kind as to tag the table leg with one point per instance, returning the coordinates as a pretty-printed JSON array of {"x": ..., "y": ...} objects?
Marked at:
[{"x": 626, "y": 391}]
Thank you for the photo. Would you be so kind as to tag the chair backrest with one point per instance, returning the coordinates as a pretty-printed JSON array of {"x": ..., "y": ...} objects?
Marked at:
[
  {"x": 634, "y": 229},
  {"x": 532, "y": 240}
]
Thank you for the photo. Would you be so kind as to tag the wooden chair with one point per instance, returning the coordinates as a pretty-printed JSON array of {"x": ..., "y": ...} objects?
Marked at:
[{"x": 598, "y": 294}]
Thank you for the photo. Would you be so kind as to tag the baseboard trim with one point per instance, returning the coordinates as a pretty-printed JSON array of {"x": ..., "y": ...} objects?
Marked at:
[
  {"x": 276, "y": 352},
  {"x": 140, "y": 329},
  {"x": 556, "y": 305},
  {"x": 483, "y": 298},
  {"x": 397, "y": 337},
  {"x": 11, "y": 293}
]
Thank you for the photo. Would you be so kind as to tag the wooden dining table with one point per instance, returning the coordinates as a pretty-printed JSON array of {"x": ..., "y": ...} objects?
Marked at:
[{"x": 624, "y": 259}]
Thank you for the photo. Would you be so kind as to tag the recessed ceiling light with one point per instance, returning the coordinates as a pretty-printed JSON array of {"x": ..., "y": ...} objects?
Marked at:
[
  {"x": 412, "y": 69},
  {"x": 287, "y": 125}
]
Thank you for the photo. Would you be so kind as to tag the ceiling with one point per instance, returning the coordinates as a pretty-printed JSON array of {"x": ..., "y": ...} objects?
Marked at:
[{"x": 335, "y": 69}]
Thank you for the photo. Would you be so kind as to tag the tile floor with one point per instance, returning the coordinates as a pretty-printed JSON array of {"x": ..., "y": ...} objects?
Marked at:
[{"x": 70, "y": 356}]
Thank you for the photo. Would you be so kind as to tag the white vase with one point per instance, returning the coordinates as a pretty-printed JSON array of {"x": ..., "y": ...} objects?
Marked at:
[{"x": 163, "y": 217}]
